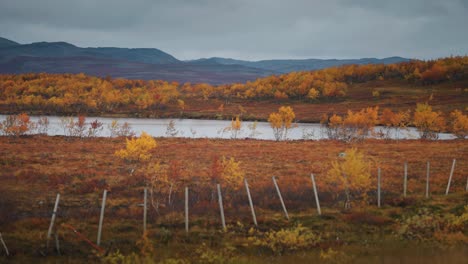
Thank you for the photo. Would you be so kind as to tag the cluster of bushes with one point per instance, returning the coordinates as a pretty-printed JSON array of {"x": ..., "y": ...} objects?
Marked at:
[
  {"x": 78, "y": 93},
  {"x": 428, "y": 224},
  {"x": 20, "y": 125},
  {"x": 422, "y": 225},
  {"x": 359, "y": 125}
]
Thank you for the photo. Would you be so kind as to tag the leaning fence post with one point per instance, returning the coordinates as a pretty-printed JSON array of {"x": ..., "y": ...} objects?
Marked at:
[
  {"x": 281, "y": 197},
  {"x": 378, "y": 187},
  {"x": 186, "y": 210},
  {"x": 144, "y": 209},
  {"x": 101, "y": 218},
  {"x": 221, "y": 209},
  {"x": 52, "y": 220},
  {"x": 450, "y": 177},
  {"x": 4, "y": 245},
  {"x": 427, "y": 178},
  {"x": 250, "y": 202},
  {"x": 405, "y": 179},
  {"x": 316, "y": 194}
]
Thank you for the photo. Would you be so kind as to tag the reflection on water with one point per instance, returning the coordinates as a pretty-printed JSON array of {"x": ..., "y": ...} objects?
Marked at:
[{"x": 195, "y": 128}]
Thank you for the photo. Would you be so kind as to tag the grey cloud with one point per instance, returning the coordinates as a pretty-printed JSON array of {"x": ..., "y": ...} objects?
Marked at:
[
  {"x": 92, "y": 14},
  {"x": 404, "y": 8},
  {"x": 248, "y": 29}
]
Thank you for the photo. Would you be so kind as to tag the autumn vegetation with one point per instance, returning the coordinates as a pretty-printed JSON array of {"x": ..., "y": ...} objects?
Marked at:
[
  {"x": 350, "y": 178},
  {"x": 80, "y": 168},
  {"x": 281, "y": 122},
  {"x": 80, "y": 94},
  {"x": 349, "y": 100},
  {"x": 354, "y": 126}
]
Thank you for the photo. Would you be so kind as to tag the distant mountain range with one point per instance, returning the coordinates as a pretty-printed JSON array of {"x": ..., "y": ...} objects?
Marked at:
[{"x": 147, "y": 64}]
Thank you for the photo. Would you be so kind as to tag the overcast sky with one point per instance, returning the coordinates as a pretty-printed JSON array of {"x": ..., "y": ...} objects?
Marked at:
[{"x": 247, "y": 29}]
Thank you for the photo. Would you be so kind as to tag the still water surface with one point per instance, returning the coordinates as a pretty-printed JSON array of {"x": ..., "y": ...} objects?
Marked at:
[{"x": 196, "y": 128}]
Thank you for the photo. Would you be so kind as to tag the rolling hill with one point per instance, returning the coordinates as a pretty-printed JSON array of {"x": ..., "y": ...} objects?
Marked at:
[
  {"x": 286, "y": 66},
  {"x": 150, "y": 63},
  {"x": 101, "y": 67},
  {"x": 64, "y": 49},
  {"x": 7, "y": 43}
]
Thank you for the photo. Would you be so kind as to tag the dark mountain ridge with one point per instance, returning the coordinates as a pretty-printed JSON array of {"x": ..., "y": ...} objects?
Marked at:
[
  {"x": 64, "y": 49},
  {"x": 285, "y": 66},
  {"x": 7, "y": 43},
  {"x": 150, "y": 63}
]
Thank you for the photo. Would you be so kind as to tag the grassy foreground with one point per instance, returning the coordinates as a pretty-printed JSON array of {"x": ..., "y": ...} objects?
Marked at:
[{"x": 34, "y": 169}]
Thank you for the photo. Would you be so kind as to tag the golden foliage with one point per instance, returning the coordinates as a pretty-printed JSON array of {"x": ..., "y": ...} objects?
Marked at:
[
  {"x": 391, "y": 120},
  {"x": 236, "y": 125},
  {"x": 208, "y": 255},
  {"x": 362, "y": 122},
  {"x": 73, "y": 93},
  {"x": 355, "y": 126},
  {"x": 284, "y": 240},
  {"x": 375, "y": 94},
  {"x": 234, "y": 128},
  {"x": 428, "y": 122},
  {"x": 428, "y": 225},
  {"x": 350, "y": 175},
  {"x": 458, "y": 124},
  {"x": 333, "y": 126},
  {"x": 156, "y": 174},
  {"x": 313, "y": 94},
  {"x": 335, "y": 121},
  {"x": 275, "y": 120},
  {"x": 137, "y": 149},
  {"x": 232, "y": 175},
  {"x": 181, "y": 104},
  {"x": 281, "y": 121}
]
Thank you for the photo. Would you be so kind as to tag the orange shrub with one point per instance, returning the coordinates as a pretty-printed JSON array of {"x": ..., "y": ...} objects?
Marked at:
[
  {"x": 358, "y": 125},
  {"x": 391, "y": 120},
  {"x": 458, "y": 124},
  {"x": 355, "y": 126},
  {"x": 281, "y": 122},
  {"x": 428, "y": 122},
  {"x": 333, "y": 126},
  {"x": 17, "y": 125}
]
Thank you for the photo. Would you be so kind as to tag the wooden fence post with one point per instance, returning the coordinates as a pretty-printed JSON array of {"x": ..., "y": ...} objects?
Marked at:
[
  {"x": 145, "y": 205},
  {"x": 186, "y": 210},
  {"x": 427, "y": 178},
  {"x": 221, "y": 208},
  {"x": 316, "y": 194},
  {"x": 4, "y": 245},
  {"x": 57, "y": 244},
  {"x": 52, "y": 220},
  {"x": 281, "y": 198},
  {"x": 450, "y": 177},
  {"x": 405, "y": 180},
  {"x": 378, "y": 187},
  {"x": 101, "y": 218},
  {"x": 250, "y": 202}
]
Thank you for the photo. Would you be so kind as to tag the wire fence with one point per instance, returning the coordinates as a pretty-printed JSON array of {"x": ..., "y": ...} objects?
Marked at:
[{"x": 34, "y": 209}]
